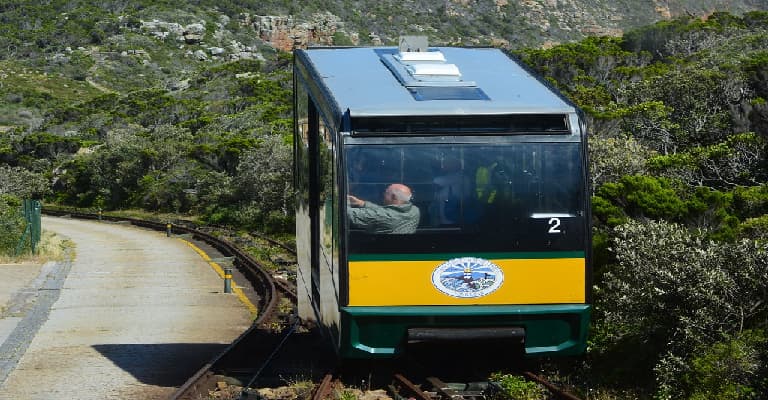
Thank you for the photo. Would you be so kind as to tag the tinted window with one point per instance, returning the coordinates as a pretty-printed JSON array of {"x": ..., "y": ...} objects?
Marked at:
[{"x": 473, "y": 197}]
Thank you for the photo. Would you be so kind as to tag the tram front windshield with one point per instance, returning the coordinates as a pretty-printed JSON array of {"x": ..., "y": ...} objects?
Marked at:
[{"x": 472, "y": 197}]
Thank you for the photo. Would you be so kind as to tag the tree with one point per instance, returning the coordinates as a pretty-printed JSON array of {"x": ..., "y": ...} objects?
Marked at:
[
  {"x": 738, "y": 161},
  {"x": 22, "y": 183},
  {"x": 697, "y": 100},
  {"x": 611, "y": 158},
  {"x": 265, "y": 175},
  {"x": 651, "y": 123}
]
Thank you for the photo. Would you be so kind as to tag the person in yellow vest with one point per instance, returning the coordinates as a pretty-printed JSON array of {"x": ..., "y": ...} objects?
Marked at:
[
  {"x": 496, "y": 189},
  {"x": 493, "y": 183}
]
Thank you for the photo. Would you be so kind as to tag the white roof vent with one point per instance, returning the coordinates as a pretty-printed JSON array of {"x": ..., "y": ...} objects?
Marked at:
[
  {"x": 421, "y": 56},
  {"x": 434, "y": 71},
  {"x": 424, "y": 68}
]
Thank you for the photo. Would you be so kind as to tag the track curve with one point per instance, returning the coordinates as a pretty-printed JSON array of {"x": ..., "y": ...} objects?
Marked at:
[{"x": 269, "y": 289}]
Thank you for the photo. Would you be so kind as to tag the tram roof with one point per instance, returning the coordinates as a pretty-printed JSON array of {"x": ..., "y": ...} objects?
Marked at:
[{"x": 359, "y": 80}]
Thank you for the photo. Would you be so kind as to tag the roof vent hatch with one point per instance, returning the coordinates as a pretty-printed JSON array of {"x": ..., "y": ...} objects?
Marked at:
[
  {"x": 424, "y": 68},
  {"x": 427, "y": 74}
]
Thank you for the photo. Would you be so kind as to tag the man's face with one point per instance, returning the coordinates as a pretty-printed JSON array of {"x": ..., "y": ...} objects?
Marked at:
[{"x": 389, "y": 196}]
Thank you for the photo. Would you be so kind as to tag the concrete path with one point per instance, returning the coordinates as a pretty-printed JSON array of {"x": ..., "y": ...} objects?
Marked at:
[
  {"x": 17, "y": 286},
  {"x": 136, "y": 316}
]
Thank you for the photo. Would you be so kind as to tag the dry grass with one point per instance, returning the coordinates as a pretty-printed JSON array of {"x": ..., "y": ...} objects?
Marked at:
[{"x": 52, "y": 247}]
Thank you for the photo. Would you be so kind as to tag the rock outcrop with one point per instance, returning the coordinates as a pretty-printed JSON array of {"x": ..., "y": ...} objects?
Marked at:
[{"x": 286, "y": 33}]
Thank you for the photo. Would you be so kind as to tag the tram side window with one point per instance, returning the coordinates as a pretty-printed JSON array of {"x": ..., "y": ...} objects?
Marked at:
[
  {"x": 326, "y": 188},
  {"x": 301, "y": 167}
]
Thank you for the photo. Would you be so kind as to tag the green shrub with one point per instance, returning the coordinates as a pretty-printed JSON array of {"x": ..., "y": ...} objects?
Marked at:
[
  {"x": 673, "y": 292},
  {"x": 728, "y": 370},
  {"x": 11, "y": 224},
  {"x": 645, "y": 197},
  {"x": 519, "y": 388},
  {"x": 606, "y": 213},
  {"x": 751, "y": 201},
  {"x": 341, "y": 39},
  {"x": 755, "y": 228}
]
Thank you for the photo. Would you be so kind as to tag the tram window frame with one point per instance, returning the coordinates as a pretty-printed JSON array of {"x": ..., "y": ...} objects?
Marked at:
[
  {"x": 327, "y": 188},
  {"x": 522, "y": 124},
  {"x": 516, "y": 235}
]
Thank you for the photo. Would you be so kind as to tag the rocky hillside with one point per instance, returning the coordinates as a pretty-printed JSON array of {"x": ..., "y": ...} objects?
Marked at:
[
  {"x": 515, "y": 24},
  {"x": 27, "y": 25},
  {"x": 71, "y": 50}
]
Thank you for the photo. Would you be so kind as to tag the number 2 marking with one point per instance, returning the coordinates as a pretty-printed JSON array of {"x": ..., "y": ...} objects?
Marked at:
[{"x": 554, "y": 225}]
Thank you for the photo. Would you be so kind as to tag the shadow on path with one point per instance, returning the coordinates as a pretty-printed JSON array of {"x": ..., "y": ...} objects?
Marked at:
[{"x": 167, "y": 365}]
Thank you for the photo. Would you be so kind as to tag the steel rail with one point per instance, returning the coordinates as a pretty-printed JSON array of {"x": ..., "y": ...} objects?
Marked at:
[
  {"x": 323, "y": 390},
  {"x": 556, "y": 391},
  {"x": 274, "y": 242}
]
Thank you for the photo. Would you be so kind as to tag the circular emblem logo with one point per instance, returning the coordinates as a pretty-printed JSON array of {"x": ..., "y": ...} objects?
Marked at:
[{"x": 467, "y": 277}]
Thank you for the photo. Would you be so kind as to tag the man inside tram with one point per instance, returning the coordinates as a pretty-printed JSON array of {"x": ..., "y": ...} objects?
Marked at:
[{"x": 398, "y": 215}]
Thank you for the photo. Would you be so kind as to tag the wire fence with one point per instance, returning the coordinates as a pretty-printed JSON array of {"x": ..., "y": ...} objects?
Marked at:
[{"x": 30, "y": 238}]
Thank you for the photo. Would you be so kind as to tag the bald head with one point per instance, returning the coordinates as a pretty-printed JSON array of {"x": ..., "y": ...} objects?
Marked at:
[{"x": 397, "y": 193}]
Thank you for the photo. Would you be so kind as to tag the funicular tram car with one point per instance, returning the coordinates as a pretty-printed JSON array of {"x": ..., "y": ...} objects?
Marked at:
[{"x": 495, "y": 161}]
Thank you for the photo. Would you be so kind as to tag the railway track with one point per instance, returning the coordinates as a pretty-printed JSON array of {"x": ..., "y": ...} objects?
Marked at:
[
  {"x": 244, "y": 362},
  {"x": 403, "y": 387},
  {"x": 277, "y": 347}
]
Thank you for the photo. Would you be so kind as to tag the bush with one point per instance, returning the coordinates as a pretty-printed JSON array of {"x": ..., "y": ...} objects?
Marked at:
[
  {"x": 673, "y": 293},
  {"x": 751, "y": 201},
  {"x": 611, "y": 158},
  {"x": 516, "y": 387},
  {"x": 729, "y": 370},
  {"x": 755, "y": 228},
  {"x": 645, "y": 197},
  {"x": 12, "y": 224}
]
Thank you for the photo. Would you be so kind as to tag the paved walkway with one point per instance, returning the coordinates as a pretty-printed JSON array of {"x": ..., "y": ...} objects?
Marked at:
[
  {"x": 137, "y": 314},
  {"x": 18, "y": 286}
]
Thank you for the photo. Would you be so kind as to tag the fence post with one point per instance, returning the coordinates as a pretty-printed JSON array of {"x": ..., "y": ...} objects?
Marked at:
[
  {"x": 32, "y": 211},
  {"x": 35, "y": 223},
  {"x": 227, "y": 279}
]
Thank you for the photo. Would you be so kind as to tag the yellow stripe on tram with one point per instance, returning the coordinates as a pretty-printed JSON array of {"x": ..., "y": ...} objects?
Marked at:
[{"x": 525, "y": 281}]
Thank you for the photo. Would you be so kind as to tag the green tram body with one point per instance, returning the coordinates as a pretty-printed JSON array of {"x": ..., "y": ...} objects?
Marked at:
[{"x": 497, "y": 163}]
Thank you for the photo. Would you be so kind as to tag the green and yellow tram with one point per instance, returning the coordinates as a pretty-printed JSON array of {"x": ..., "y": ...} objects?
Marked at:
[{"x": 482, "y": 168}]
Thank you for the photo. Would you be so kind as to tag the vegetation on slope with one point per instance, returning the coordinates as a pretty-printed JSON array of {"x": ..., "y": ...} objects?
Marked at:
[
  {"x": 102, "y": 110},
  {"x": 678, "y": 164}
]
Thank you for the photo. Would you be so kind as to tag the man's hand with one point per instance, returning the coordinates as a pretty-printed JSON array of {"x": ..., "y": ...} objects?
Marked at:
[{"x": 354, "y": 201}]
